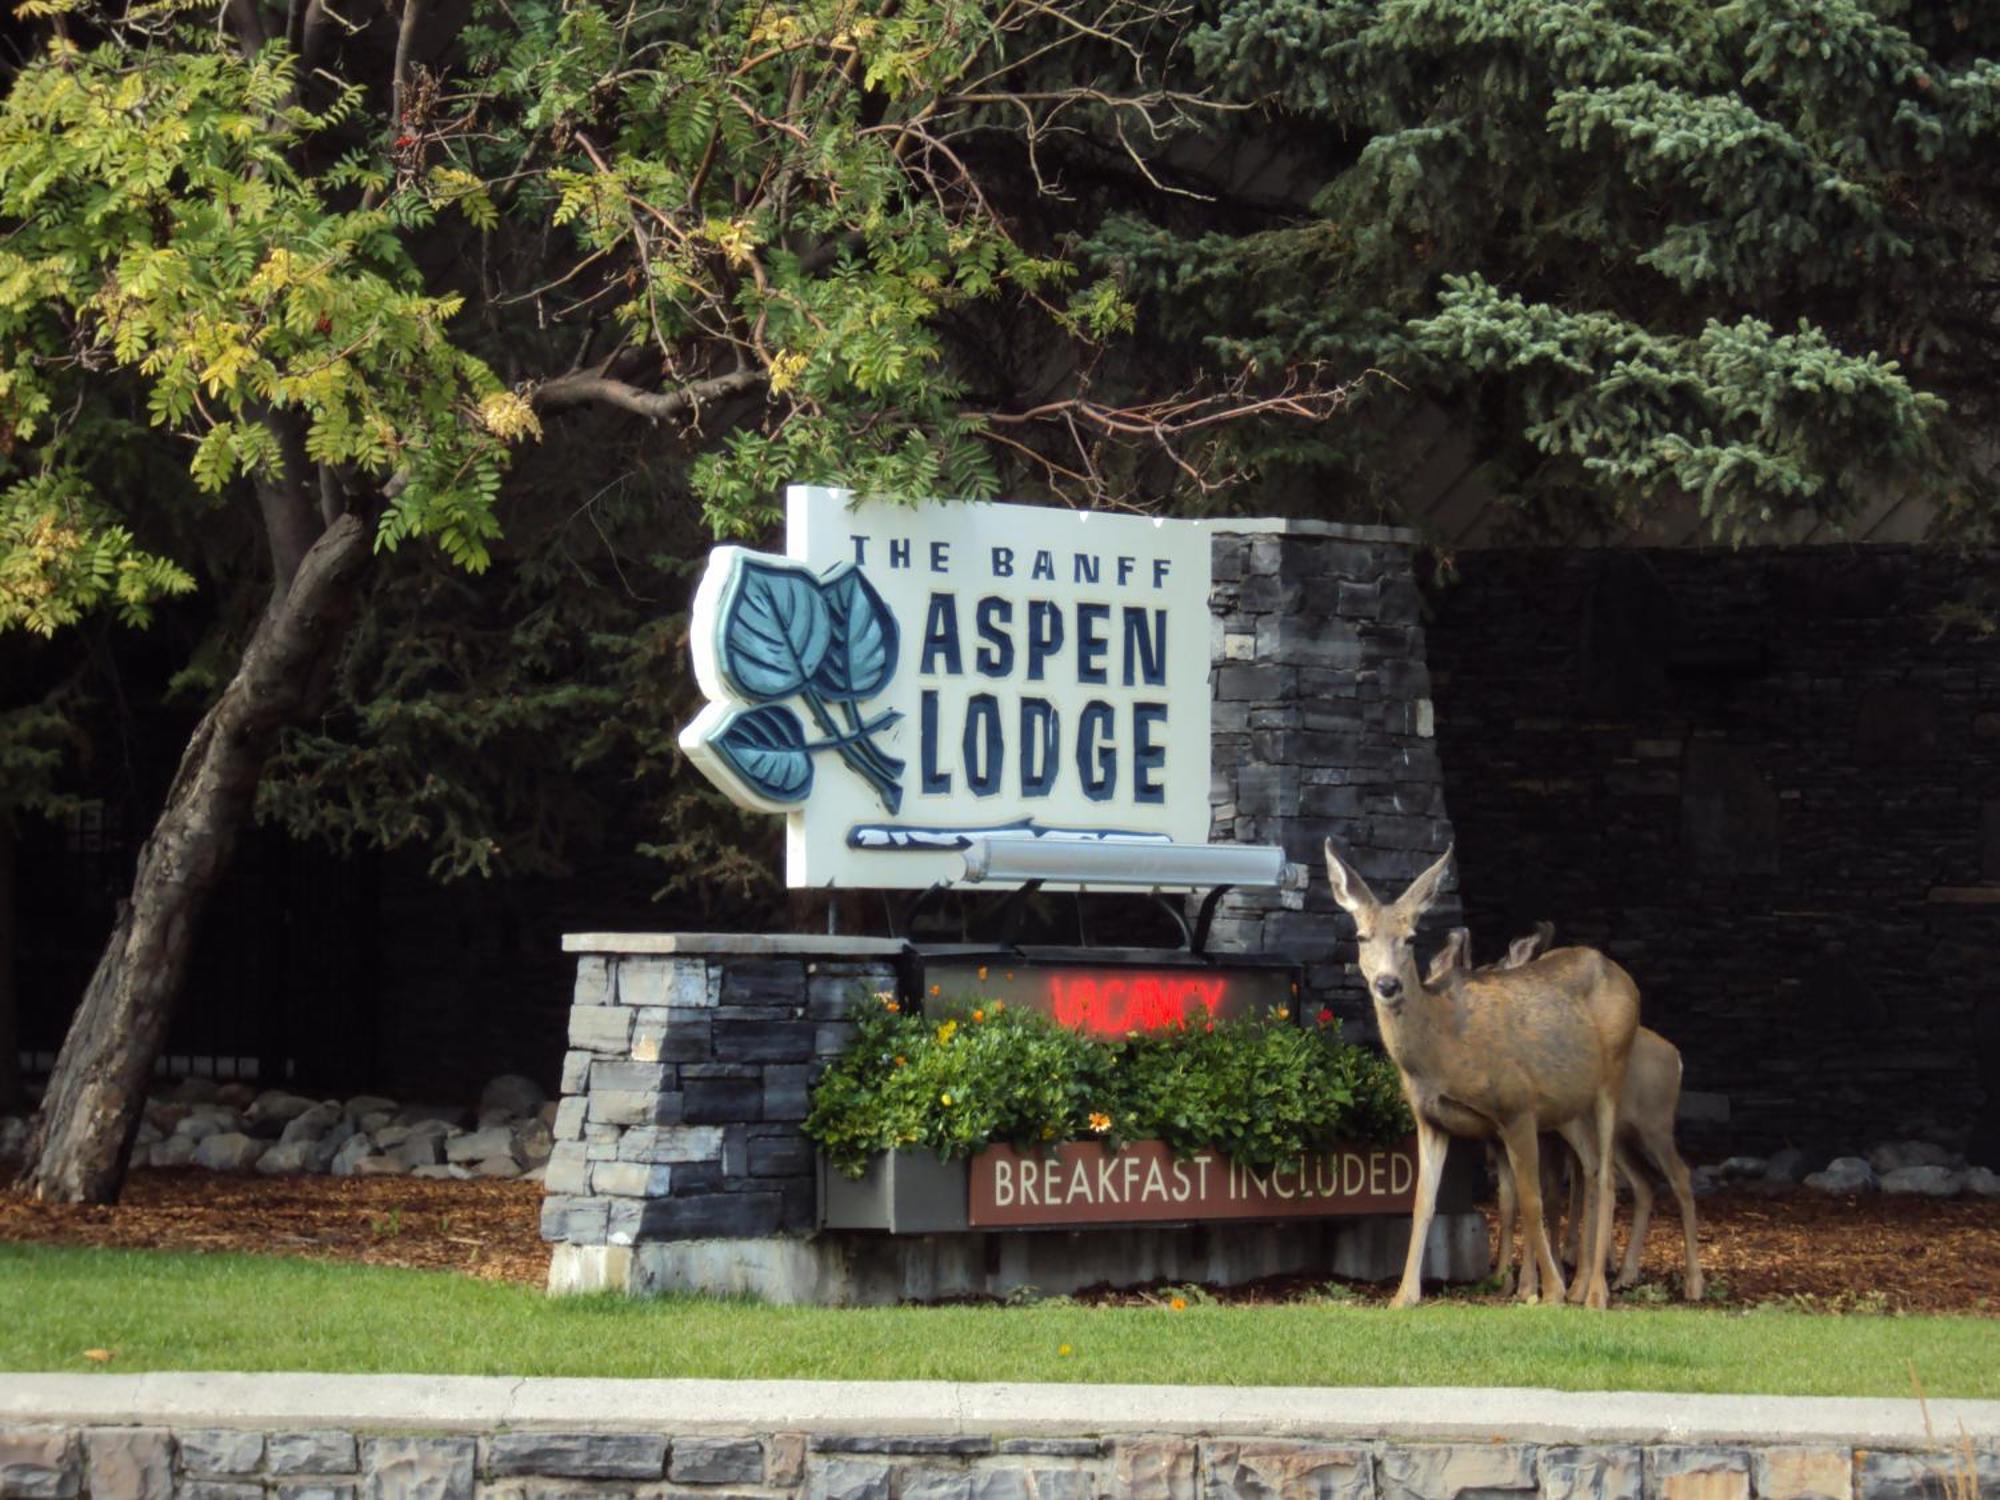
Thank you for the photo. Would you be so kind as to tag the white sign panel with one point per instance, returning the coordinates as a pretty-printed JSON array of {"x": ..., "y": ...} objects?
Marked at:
[{"x": 908, "y": 678}]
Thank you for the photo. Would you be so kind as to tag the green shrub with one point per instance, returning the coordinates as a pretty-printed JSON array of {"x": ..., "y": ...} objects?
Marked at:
[{"x": 1259, "y": 1090}]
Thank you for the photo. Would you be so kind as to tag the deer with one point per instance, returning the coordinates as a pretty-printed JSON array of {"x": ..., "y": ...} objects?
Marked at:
[
  {"x": 1501, "y": 1055},
  {"x": 1647, "y": 1107}
]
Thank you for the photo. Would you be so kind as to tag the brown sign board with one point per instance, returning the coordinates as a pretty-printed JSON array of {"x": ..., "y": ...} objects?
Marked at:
[{"x": 1143, "y": 1182}]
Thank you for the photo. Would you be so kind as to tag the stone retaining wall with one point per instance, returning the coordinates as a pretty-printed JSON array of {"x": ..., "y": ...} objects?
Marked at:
[{"x": 57, "y": 1462}]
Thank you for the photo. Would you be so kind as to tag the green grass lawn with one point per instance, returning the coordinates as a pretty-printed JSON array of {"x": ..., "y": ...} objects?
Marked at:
[{"x": 159, "y": 1311}]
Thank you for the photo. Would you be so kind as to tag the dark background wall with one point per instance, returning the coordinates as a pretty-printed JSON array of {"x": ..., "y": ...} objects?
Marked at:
[{"x": 1768, "y": 782}]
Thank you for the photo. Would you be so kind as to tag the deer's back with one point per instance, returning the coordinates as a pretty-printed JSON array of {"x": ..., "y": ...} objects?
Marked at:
[{"x": 1553, "y": 1027}]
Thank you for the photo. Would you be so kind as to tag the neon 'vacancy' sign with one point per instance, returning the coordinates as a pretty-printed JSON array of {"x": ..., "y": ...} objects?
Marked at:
[{"x": 907, "y": 678}]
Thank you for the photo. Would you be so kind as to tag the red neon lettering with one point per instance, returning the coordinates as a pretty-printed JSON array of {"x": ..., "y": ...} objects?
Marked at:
[
  {"x": 1210, "y": 991},
  {"x": 1114, "y": 1011},
  {"x": 1112, "y": 1005}
]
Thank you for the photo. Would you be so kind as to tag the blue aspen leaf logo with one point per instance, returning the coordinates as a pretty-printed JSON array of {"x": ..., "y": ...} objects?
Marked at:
[
  {"x": 782, "y": 633},
  {"x": 767, "y": 748}
]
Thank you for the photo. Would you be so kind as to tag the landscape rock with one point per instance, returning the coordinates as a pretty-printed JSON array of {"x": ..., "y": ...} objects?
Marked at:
[
  {"x": 1923, "y": 1182},
  {"x": 39, "y": 1463},
  {"x": 418, "y": 1151},
  {"x": 353, "y": 1151},
  {"x": 286, "y": 1158},
  {"x": 413, "y": 1468},
  {"x": 536, "y": 1174},
  {"x": 479, "y": 1145},
  {"x": 1742, "y": 1168},
  {"x": 369, "y": 1104},
  {"x": 328, "y": 1146},
  {"x": 376, "y": 1119},
  {"x": 1787, "y": 1166},
  {"x": 1983, "y": 1182},
  {"x": 196, "y": 1091},
  {"x": 511, "y": 1092},
  {"x": 228, "y": 1152},
  {"x": 13, "y": 1136},
  {"x": 533, "y": 1142},
  {"x": 547, "y": 1113},
  {"x": 381, "y": 1166},
  {"x": 147, "y": 1134},
  {"x": 1893, "y": 1155},
  {"x": 176, "y": 1150},
  {"x": 1844, "y": 1174},
  {"x": 277, "y": 1107},
  {"x": 321, "y": 1451},
  {"x": 441, "y": 1172},
  {"x": 235, "y": 1095},
  {"x": 312, "y": 1124},
  {"x": 200, "y": 1126},
  {"x": 500, "y": 1168},
  {"x": 1704, "y": 1181}
]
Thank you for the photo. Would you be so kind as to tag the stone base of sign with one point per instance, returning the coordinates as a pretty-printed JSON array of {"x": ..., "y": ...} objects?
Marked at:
[
  {"x": 836, "y": 1268},
  {"x": 680, "y": 1164}
]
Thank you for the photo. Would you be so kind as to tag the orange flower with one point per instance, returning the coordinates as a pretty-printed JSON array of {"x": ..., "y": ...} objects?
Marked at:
[
  {"x": 1179, "y": 1304},
  {"x": 998, "y": 1006},
  {"x": 937, "y": 989},
  {"x": 894, "y": 1008},
  {"x": 900, "y": 1060},
  {"x": 1284, "y": 1013},
  {"x": 1099, "y": 1121},
  {"x": 982, "y": 971},
  {"x": 978, "y": 1016}
]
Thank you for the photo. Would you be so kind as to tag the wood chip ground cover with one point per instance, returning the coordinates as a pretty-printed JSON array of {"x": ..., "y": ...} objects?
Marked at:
[{"x": 1836, "y": 1254}]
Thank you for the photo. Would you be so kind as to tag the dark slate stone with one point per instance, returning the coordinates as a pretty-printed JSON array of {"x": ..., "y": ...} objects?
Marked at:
[
  {"x": 39, "y": 1463},
  {"x": 934, "y": 1484},
  {"x": 1050, "y": 1447},
  {"x": 717, "y": 1460},
  {"x": 212, "y": 1489},
  {"x": 780, "y": 1156},
  {"x": 695, "y": 1178},
  {"x": 633, "y": 1077},
  {"x": 220, "y": 1450},
  {"x": 312, "y": 1489},
  {"x": 722, "y": 1101},
  {"x": 1882, "y": 1475},
  {"x": 320, "y": 1452},
  {"x": 583, "y": 1455},
  {"x": 418, "y": 1468},
  {"x": 763, "y": 982},
  {"x": 847, "y": 1479},
  {"x": 954, "y": 1447},
  {"x": 732, "y": 1216},
  {"x": 762, "y": 1041}
]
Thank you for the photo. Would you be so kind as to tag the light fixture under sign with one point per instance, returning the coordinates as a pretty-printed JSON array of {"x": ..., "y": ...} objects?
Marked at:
[{"x": 1109, "y": 862}]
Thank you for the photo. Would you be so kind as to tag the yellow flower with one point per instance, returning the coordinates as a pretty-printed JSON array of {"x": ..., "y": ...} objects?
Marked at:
[
  {"x": 1179, "y": 1304},
  {"x": 982, "y": 971},
  {"x": 945, "y": 1100},
  {"x": 998, "y": 1006},
  {"x": 947, "y": 1031},
  {"x": 1284, "y": 1013},
  {"x": 1099, "y": 1121},
  {"x": 1063, "y": 1350}
]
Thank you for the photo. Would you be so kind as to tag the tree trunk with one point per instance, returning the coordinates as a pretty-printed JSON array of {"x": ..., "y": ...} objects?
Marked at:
[
  {"x": 91, "y": 1112},
  {"x": 11, "y": 1097}
]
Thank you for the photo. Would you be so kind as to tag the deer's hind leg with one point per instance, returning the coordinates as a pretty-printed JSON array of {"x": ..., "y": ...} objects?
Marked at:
[
  {"x": 1642, "y": 1216},
  {"x": 1597, "y": 1239},
  {"x": 1665, "y": 1155},
  {"x": 1539, "y": 1270}
]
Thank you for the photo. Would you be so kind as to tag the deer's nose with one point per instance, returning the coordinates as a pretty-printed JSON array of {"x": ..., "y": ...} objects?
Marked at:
[{"x": 1388, "y": 986}]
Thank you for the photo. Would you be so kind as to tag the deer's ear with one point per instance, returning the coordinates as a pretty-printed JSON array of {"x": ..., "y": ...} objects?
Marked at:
[
  {"x": 1349, "y": 889},
  {"x": 1522, "y": 949},
  {"x": 1424, "y": 889},
  {"x": 1457, "y": 951}
]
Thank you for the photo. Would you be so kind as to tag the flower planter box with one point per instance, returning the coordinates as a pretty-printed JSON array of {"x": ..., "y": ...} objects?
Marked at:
[{"x": 1081, "y": 1185}]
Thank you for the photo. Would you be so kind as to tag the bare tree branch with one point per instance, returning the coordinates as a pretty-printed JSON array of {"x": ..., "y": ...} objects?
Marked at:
[{"x": 584, "y": 387}]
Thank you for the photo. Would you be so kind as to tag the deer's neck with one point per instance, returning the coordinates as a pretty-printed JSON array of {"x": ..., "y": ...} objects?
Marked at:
[{"x": 1417, "y": 1033}]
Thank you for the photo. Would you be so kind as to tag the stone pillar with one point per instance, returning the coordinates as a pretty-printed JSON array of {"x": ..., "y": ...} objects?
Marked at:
[
  {"x": 1322, "y": 728},
  {"x": 691, "y": 1057}
]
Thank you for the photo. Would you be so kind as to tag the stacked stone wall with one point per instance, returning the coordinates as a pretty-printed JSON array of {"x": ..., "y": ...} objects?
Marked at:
[
  {"x": 1323, "y": 728},
  {"x": 59, "y": 1462},
  {"x": 683, "y": 1091},
  {"x": 1768, "y": 782}
]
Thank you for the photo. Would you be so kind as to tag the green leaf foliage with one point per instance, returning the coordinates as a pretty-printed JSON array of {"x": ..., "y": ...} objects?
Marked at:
[
  {"x": 1260, "y": 1091},
  {"x": 1641, "y": 251}
]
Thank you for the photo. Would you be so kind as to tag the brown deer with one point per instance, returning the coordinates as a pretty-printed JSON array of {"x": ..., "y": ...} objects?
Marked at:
[
  {"x": 1646, "y": 1110},
  {"x": 1497, "y": 1054}
]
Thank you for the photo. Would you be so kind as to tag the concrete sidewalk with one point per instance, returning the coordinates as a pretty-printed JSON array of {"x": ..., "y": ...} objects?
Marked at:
[{"x": 474, "y": 1404}]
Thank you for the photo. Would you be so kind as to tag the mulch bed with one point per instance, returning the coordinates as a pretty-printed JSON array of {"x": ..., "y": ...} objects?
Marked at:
[{"x": 1835, "y": 1254}]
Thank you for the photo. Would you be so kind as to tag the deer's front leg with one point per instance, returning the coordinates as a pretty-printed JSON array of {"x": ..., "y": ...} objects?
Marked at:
[
  {"x": 1432, "y": 1143},
  {"x": 1538, "y": 1266}
]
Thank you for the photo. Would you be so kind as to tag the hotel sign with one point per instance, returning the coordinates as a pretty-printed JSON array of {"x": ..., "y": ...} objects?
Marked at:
[
  {"x": 1081, "y": 1183},
  {"x": 907, "y": 678}
]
